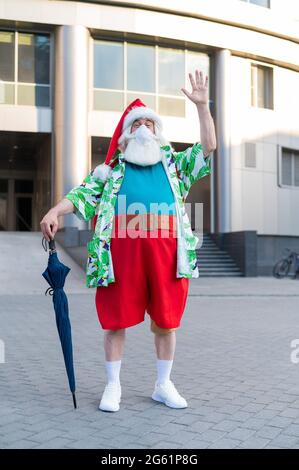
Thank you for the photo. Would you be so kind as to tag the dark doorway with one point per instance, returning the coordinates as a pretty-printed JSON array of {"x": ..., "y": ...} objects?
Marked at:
[
  {"x": 200, "y": 192},
  {"x": 25, "y": 179},
  {"x": 24, "y": 213}
]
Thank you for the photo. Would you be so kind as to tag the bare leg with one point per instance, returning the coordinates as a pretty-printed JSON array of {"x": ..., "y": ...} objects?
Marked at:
[
  {"x": 165, "y": 345},
  {"x": 114, "y": 344}
]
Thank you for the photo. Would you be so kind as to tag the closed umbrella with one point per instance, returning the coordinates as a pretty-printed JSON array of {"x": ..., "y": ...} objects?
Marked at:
[{"x": 55, "y": 275}]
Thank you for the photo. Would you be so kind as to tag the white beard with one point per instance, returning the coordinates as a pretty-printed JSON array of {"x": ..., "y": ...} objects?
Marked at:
[{"x": 143, "y": 147}]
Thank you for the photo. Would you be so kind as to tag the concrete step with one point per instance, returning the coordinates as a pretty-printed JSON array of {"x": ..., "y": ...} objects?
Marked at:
[
  {"x": 213, "y": 255},
  {"x": 212, "y": 261},
  {"x": 215, "y": 264},
  {"x": 211, "y": 250},
  {"x": 224, "y": 274},
  {"x": 215, "y": 269},
  {"x": 215, "y": 258}
]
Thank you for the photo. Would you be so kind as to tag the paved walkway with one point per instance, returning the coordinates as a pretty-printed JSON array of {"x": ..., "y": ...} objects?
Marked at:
[{"x": 232, "y": 364}]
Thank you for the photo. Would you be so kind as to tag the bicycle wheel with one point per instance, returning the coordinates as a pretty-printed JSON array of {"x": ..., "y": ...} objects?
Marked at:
[{"x": 281, "y": 269}]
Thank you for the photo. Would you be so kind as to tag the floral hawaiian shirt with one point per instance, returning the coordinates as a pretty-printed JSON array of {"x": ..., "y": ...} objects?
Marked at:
[{"x": 95, "y": 197}]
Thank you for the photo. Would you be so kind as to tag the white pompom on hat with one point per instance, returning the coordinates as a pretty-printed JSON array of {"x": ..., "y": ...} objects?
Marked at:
[{"x": 102, "y": 172}]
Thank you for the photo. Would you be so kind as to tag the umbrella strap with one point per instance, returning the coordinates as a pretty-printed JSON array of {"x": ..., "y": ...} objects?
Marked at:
[
  {"x": 44, "y": 243},
  {"x": 49, "y": 291}
]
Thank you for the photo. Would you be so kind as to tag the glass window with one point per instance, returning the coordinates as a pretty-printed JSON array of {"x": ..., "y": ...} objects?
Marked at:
[
  {"x": 296, "y": 169},
  {"x": 197, "y": 60},
  {"x": 108, "y": 100},
  {"x": 42, "y": 94},
  {"x": 261, "y": 86},
  {"x": 171, "y": 71},
  {"x": 23, "y": 186},
  {"x": 153, "y": 74},
  {"x": 261, "y": 3},
  {"x": 7, "y": 46},
  {"x": 33, "y": 58},
  {"x": 33, "y": 52},
  {"x": 3, "y": 186},
  {"x": 286, "y": 168},
  {"x": 149, "y": 100},
  {"x": 108, "y": 65},
  {"x": 34, "y": 95},
  {"x": 290, "y": 167},
  {"x": 7, "y": 93},
  {"x": 141, "y": 68},
  {"x": 172, "y": 106}
]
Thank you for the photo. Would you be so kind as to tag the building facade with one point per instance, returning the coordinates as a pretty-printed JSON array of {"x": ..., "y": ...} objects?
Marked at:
[{"x": 68, "y": 69}]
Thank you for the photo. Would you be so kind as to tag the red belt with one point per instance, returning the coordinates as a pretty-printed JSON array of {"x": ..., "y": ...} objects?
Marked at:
[{"x": 146, "y": 221}]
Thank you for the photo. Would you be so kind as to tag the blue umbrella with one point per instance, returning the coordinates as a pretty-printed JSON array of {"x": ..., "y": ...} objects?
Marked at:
[{"x": 55, "y": 275}]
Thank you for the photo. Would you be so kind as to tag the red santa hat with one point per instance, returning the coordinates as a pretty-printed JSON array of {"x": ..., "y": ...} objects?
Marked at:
[{"x": 135, "y": 110}]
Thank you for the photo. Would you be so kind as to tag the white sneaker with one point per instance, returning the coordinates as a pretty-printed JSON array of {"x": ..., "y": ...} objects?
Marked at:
[
  {"x": 168, "y": 394},
  {"x": 111, "y": 397}
]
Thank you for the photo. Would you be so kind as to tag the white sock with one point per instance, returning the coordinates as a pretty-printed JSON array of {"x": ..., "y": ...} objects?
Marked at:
[
  {"x": 113, "y": 370},
  {"x": 163, "y": 370}
]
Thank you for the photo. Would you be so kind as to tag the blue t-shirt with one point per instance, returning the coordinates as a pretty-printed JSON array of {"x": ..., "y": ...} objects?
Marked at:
[{"x": 147, "y": 190}]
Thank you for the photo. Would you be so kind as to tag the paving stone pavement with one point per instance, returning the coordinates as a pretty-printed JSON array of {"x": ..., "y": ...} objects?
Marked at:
[{"x": 232, "y": 364}]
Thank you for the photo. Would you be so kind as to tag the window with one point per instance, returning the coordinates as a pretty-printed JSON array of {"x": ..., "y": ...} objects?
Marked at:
[
  {"x": 261, "y": 86},
  {"x": 24, "y": 68},
  {"x": 289, "y": 168},
  {"x": 261, "y": 3},
  {"x": 108, "y": 74},
  {"x": 7, "y": 67},
  {"x": 171, "y": 64},
  {"x": 141, "y": 68},
  {"x": 250, "y": 155},
  {"x": 200, "y": 61},
  {"x": 24, "y": 186},
  {"x": 108, "y": 65},
  {"x": 171, "y": 71},
  {"x": 126, "y": 71},
  {"x": 7, "y": 46},
  {"x": 33, "y": 58}
]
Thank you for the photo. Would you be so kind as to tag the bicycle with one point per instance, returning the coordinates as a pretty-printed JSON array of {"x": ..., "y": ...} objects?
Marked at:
[{"x": 282, "y": 267}]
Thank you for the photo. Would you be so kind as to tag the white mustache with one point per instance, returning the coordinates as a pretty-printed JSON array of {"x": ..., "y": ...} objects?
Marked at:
[
  {"x": 143, "y": 135},
  {"x": 143, "y": 148}
]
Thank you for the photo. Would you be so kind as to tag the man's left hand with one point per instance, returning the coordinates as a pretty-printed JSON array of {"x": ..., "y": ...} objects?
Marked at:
[{"x": 199, "y": 94}]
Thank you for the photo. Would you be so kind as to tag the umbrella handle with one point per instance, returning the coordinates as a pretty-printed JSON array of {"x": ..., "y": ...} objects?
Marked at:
[{"x": 52, "y": 246}]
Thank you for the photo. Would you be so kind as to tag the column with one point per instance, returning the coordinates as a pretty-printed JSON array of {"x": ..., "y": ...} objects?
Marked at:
[
  {"x": 71, "y": 153},
  {"x": 222, "y": 162}
]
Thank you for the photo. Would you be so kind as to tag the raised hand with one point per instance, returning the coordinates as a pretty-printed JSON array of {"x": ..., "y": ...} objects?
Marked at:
[{"x": 199, "y": 94}]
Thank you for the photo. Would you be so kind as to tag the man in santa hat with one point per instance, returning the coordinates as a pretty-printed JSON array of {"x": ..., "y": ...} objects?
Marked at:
[{"x": 142, "y": 253}]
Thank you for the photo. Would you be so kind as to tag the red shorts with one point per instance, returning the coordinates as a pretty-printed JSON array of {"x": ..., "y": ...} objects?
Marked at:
[{"x": 145, "y": 281}]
